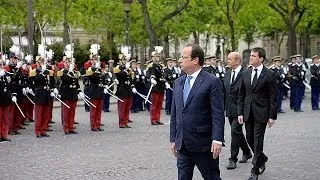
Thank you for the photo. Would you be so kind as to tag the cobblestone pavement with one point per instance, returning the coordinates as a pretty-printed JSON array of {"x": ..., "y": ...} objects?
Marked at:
[{"x": 142, "y": 153}]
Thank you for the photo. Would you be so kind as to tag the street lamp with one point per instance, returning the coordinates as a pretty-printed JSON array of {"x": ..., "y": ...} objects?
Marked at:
[{"x": 127, "y": 4}]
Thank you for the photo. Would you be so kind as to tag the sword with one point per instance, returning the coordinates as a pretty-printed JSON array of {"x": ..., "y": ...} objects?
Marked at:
[
  {"x": 114, "y": 95},
  {"x": 29, "y": 99},
  {"x": 144, "y": 97},
  {"x": 20, "y": 110},
  {"x": 86, "y": 96},
  {"x": 286, "y": 85},
  {"x": 61, "y": 101},
  {"x": 87, "y": 102},
  {"x": 307, "y": 85},
  {"x": 149, "y": 92}
]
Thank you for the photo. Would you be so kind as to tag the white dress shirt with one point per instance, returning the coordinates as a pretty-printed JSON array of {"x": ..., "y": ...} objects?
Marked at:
[{"x": 254, "y": 72}]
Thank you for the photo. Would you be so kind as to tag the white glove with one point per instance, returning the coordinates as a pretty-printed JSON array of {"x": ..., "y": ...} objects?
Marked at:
[
  {"x": 19, "y": 64},
  {"x": 52, "y": 94},
  {"x": 217, "y": 75},
  {"x": 105, "y": 90},
  {"x": 55, "y": 91},
  {"x": 24, "y": 91},
  {"x": 24, "y": 66},
  {"x": 153, "y": 81},
  {"x": 81, "y": 95},
  {"x": 283, "y": 76},
  {"x": 143, "y": 77},
  {"x": 302, "y": 73},
  {"x": 110, "y": 74},
  {"x": 174, "y": 75},
  {"x": 116, "y": 81},
  {"x": 127, "y": 65},
  {"x": 71, "y": 67},
  {"x": 2, "y": 72},
  {"x": 222, "y": 75},
  {"x": 98, "y": 65},
  {"x": 134, "y": 90},
  {"x": 44, "y": 67},
  {"x": 30, "y": 91},
  {"x": 167, "y": 85},
  {"x": 14, "y": 99}
]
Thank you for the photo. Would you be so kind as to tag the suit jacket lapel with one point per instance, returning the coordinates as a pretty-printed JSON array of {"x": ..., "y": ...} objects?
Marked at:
[
  {"x": 179, "y": 91},
  {"x": 238, "y": 76},
  {"x": 195, "y": 87},
  {"x": 260, "y": 77}
]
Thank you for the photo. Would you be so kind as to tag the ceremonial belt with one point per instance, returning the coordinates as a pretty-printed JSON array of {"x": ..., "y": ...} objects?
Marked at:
[
  {"x": 98, "y": 85},
  {"x": 42, "y": 88}
]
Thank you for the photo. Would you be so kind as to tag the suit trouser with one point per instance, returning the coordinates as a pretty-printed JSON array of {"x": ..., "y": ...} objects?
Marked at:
[
  {"x": 169, "y": 94},
  {"x": 16, "y": 117},
  {"x": 95, "y": 113},
  {"x": 237, "y": 140},
  {"x": 208, "y": 167},
  {"x": 255, "y": 137},
  {"x": 157, "y": 100},
  {"x": 69, "y": 115},
  {"x": 42, "y": 118},
  {"x": 298, "y": 96},
  {"x": 4, "y": 120},
  {"x": 135, "y": 103},
  {"x": 124, "y": 110},
  {"x": 315, "y": 90}
]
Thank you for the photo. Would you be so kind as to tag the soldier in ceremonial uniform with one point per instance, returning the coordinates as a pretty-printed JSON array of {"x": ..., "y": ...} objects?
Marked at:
[
  {"x": 169, "y": 75},
  {"x": 277, "y": 68},
  {"x": 29, "y": 90},
  {"x": 42, "y": 97},
  {"x": 156, "y": 79},
  {"x": 138, "y": 82},
  {"x": 6, "y": 99},
  {"x": 220, "y": 71},
  {"x": 207, "y": 66},
  {"x": 109, "y": 81},
  {"x": 315, "y": 82},
  {"x": 15, "y": 72},
  {"x": 96, "y": 93},
  {"x": 297, "y": 75},
  {"x": 69, "y": 90},
  {"x": 86, "y": 82},
  {"x": 124, "y": 91}
]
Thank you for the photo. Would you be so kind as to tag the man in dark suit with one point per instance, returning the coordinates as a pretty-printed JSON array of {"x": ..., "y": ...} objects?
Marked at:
[
  {"x": 231, "y": 86},
  {"x": 257, "y": 106},
  {"x": 197, "y": 118}
]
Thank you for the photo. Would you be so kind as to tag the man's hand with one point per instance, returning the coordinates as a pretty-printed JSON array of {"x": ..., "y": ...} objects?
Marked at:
[
  {"x": 240, "y": 119},
  {"x": 271, "y": 122},
  {"x": 173, "y": 149},
  {"x": 216, "y": 150}
]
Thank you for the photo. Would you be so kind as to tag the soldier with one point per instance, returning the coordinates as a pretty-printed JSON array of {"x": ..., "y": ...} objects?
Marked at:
[
  {"x": 207, "y": 66},
  {"x": 141, "y": 86},
  {"x": 96, "y": 91},
  {"x": 124, "y": 91},
  {"x": 315, "y": 82},
  {"x": 69, "y": 90},
  {"x": 138, "y": 82},
  {"x": 28, "y": 105},
  {"x": 6, "y": 99},
  {"x": 297, "y": 76},
  {"x": 157, "y": 82},
  {"x": 220, "y": 70},
  {"x": 42, "y": 97},
  {"x": 16, "y": 82},
  {"x": 109, "y": 82},
  {"x": 86, "y": 82},
  {"x": 280, "y": 73},
  {"x": 169, "y": 75}
]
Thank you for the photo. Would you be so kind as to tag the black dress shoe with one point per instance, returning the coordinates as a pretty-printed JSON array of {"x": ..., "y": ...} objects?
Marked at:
[
  {"x": 100, "y": 129},
  {"x": 21, "y": 127},
  {"x": 73, "y": 132},
  {"x": 101, "y": 124},
  {"x": 231, "y": 165},
  {"x": 298, "y": 110},
  {"x": 76, "y": 122},
  {"x": 262, "y": 169},
  {"x": 52, "y": 122},
  {"x": 129, "y": 121},
  {"x": 17, "y": 132},
  {"x": 49, "y": 130},
  {"x": 39, "y": 136},
  {"x": 31, "y": 120},
  {"x": 67, "y": 133},
  {"x": 159, "y": 123},
  {"x": 94, "y": 130},
  {"x": 245, "y": 158},
  {"x": 253, "y": 177},
  {"x": 45, "y": 135},
  {"x": 5, "y": 139},
  {"x": 154, "y": 123}
]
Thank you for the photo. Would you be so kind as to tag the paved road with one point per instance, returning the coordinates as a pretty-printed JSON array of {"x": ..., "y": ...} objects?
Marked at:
[{"x": 142, "y": 153}]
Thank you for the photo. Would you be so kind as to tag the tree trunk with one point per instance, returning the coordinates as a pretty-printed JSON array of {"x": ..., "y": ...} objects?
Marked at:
[
  {"x": 233, "y": 38},
  {"x": 66, "y": 38},
  {"x": 166, "y": 46},
  {"x": 292, "y": 40},
  {"x": 206, "y": 46},
  {"x": 176, "y": 48},
  {"x": 196, "y": 37}
]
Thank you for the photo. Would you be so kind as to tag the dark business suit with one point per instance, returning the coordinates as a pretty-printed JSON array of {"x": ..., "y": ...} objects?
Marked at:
[
  {"x": 257, "y": 104},
  {"x": 194, "y": 125},
  {"x": 231, "y": 101}
]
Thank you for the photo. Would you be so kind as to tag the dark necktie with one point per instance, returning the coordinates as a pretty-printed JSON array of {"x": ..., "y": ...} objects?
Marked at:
[
  {"x": 233, "y": 76},
  {"x": 255, "y": 78}
]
